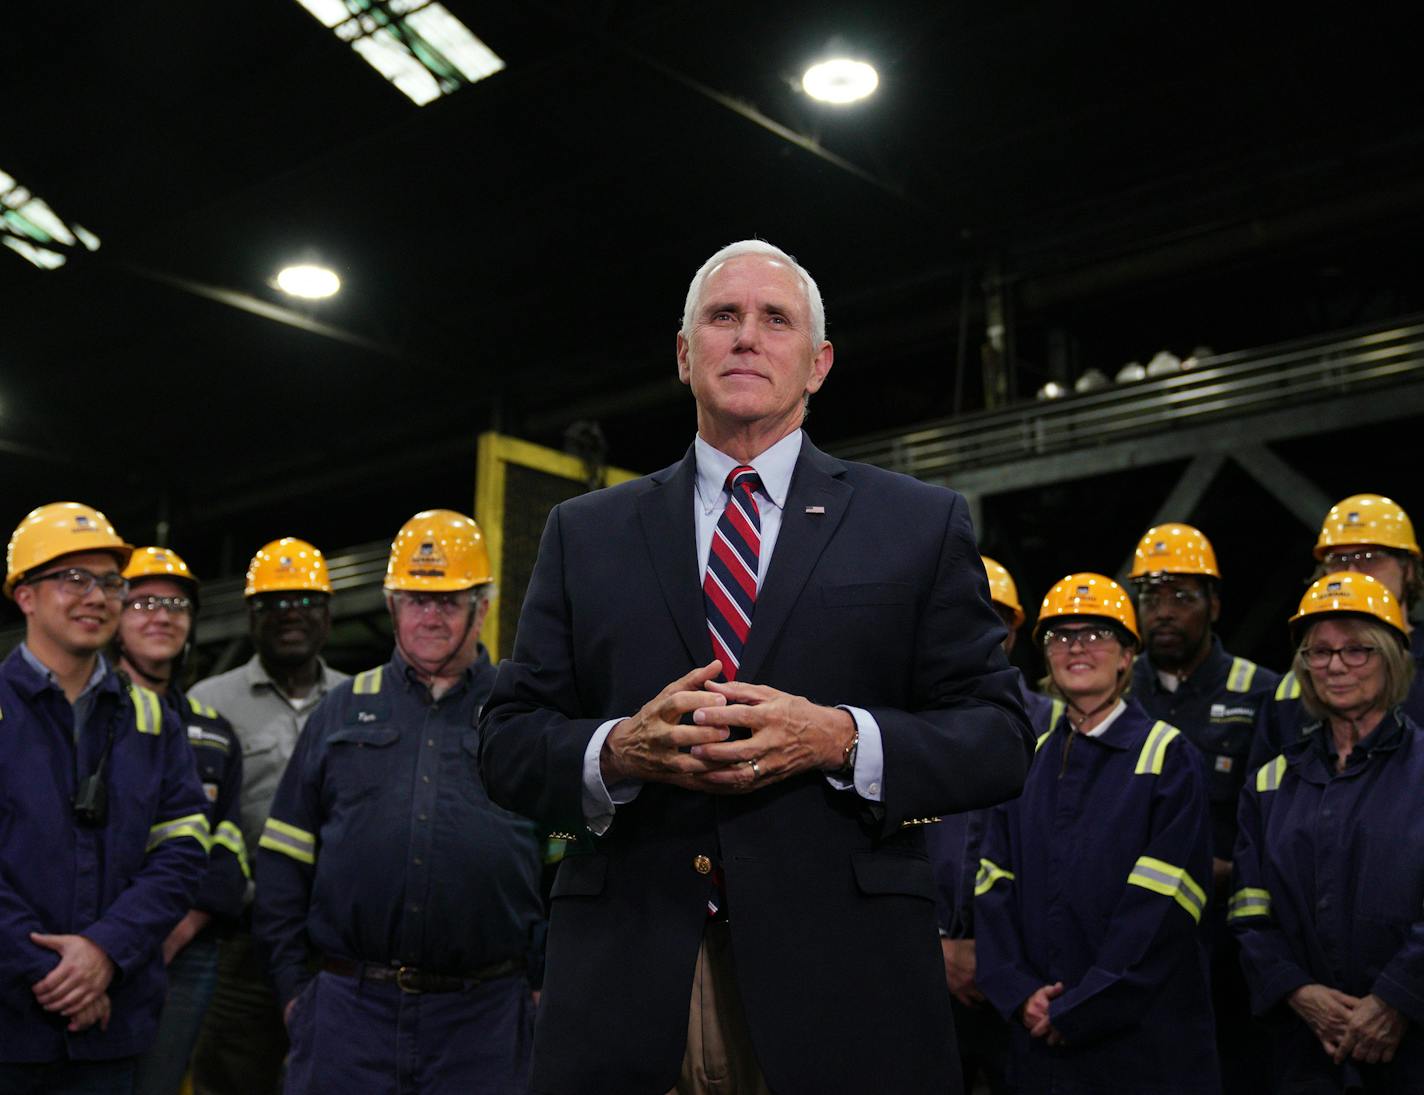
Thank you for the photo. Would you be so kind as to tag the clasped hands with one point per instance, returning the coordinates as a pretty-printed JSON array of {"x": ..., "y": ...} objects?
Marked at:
[
  {"x": 77, "y": 988},
  {"x": 1362, "y": 1027},
  {"x": 1034, "y": 1013},
  {"x": 789, "y": 735}
]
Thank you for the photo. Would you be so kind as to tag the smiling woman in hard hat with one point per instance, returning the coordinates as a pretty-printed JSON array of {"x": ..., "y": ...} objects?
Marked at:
[
  {"x": 1092, "y": 884},
  {"x": 1368, "y": 534},
  {"x": 1330, "y": 858}
]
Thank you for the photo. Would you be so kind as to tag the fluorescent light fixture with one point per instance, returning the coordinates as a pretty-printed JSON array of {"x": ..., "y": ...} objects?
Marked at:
[
  {"x": 309, "y": 282},
  {"x": 418, "y": 46},
  {"x": 30, "y": 228},
  {"x": 840, "y": 81}
]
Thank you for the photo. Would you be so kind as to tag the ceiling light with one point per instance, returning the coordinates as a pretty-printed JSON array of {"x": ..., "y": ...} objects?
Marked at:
[
  {"x": 419, "y": 47},
  {"x": 309, "y": 282},
  {"x": 840, "y": 81},
  {"x": 29, "y": 227}
]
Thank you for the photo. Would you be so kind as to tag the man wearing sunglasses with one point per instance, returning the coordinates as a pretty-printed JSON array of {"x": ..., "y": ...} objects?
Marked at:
[
  {"x": 103, "y": 838},
  {"x": 267, "y": 701},
  {"x": 424, "y": 960}
]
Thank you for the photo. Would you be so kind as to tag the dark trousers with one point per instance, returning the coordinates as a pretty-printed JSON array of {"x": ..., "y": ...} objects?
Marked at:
[
  {"x": 983, "y": 1047},
  {"x": 68, "y": 1078},
  {"x": 351, "y": 1035},
  {"x": 243, "y": 1041}
]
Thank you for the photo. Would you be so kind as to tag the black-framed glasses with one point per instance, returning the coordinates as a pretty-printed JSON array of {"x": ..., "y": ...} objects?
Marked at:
[
  {"x": 1165, "y": 596},
  {"x": 1089, "y": 638},
  {"x": 1358, "y": 560},
  {"x": 177, "y": 606},
  {"x": 289, "y": 602},
  {"x": 77, "y": 582},
  {"x": 1352, "y": 655},
  {"x": 446, "y": 604}
]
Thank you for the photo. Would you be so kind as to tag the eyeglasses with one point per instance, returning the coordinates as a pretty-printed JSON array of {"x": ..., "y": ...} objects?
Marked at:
[
  {"x": 447, "y": 604},
  {"x": 1090, "y": 638},
  {"x": 310, "y": 602},
  {"x": 176, "y": 606},
  {"x": 1353, "y": 656},
  {"x": 1161, "y": 598},
  {"x": 77, "y": 582},
  {"x": 1352, "y": 560}
]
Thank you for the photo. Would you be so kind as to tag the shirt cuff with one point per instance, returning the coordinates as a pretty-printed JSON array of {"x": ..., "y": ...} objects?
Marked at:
[
  {"x": 599, "y": 801},
  {"x": 868, "y": 777}
]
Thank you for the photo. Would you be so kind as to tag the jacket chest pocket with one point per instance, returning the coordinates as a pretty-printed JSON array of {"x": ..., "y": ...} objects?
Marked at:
[
  {"x": 1225, "y": 746},
  {"x": 360, "y": 761}
]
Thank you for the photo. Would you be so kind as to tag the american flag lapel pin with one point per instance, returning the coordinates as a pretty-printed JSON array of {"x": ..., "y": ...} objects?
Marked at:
[{"x": 815, "y": 509}]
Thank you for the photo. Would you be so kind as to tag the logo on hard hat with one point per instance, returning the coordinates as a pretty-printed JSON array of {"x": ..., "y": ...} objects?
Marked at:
[
  {"x": 1159, "y": 548},
  {"x": 1353, "y": 517},
  {"x": 1085, "y": 591},
  {"x": 427, "y": 548},
  {"x": 82, "y": 523},
  {"x": 1334, "y": 587}
]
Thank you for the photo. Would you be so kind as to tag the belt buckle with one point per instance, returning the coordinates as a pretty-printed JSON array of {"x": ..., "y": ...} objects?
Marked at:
[{"x": 401, "y": 975}]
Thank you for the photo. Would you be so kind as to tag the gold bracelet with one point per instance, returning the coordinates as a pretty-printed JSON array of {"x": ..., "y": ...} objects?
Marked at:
[{"x": 848, "y": 757}]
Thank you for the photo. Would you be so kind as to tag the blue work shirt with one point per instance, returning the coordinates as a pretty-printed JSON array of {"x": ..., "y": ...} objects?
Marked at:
[
  {"x": 1216, "y": 708},
  {"x": 382, "y": 845},
  {"x": 122, "y": 885},
  {"x": 1329, "y": 886},
  {"x": 953, "y": 844},
  {"x": 1097, "y": 876},
  {"x": 217, "y": 756},
  {"x": 1282, "y": 718}
]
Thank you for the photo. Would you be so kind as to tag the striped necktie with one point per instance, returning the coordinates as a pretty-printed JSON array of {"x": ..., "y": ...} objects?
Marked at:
[{"x": 730, "y": 587}]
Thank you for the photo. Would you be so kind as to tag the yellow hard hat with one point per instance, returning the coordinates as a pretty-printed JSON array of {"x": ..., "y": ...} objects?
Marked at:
[
  {"x": 158, "y": 562},
  {"x": 1173, "y": 549},
  {"x": 438, "y": 550},
  {"x": 1349, "y": 594},
  {"x": 1002, "y": 590},
  {"x": 1367, "y": 519},
  {"x": 1087, "y": 594},
  {"x": 60, "y": 528},
  {"x": 285, "y": 565}
]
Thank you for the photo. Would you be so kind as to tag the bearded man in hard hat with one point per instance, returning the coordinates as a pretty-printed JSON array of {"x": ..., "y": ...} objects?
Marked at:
[
  {"x": 385, "y": 858},
  {"x": 288, "y": 591},
  {"x": 102, "y": 834}
]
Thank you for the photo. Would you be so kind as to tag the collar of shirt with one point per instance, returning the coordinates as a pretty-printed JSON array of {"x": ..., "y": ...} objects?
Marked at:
[
  {"x": 1207, "y": 678},
  {"x": 1385, "y": 736},
  {"x": 406, "y": 674},
  {"x": 1113, "y": 715},
  {"x": 774, "y": 467},
  {"x": 259, "y": 678},
  {"x": 96, "y": 678}
]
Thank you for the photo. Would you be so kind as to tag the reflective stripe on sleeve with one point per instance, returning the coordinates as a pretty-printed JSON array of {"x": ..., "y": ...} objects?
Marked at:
[
  {"x": 1242, "y": 673},
  {"x": 1043, "y": 737},
  {"x": 989, "y": 873},
  {"x": 1154, "y": 749},
  {"x": 278, "y": 836},
  {"x": 368, "y": 683},
  {"x": 229, "y": 836},
  {"x": 1248, "y": 902},
  {"x": 1163, "y": 878},
  {"x": 147, "y": 717},
  {"x": 1269, "y": 777},
  {"x": 1289, "y": 688},
  {"x": 1056, "y": 712},
  {"x": 193, "y": 825}
]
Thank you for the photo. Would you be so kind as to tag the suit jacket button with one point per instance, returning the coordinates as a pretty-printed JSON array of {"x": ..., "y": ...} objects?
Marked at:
[{"x": 702, "y": 865}]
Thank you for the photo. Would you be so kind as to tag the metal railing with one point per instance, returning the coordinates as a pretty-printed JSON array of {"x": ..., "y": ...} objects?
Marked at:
[{"x": 1222, "y": 387}]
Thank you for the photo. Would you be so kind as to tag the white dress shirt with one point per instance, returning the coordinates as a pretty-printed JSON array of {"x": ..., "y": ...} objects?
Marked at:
[{"x": 774, "y": 468}]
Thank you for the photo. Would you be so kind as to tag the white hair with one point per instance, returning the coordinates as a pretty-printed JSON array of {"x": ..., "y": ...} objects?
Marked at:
[{"x": 757, "y": 247}]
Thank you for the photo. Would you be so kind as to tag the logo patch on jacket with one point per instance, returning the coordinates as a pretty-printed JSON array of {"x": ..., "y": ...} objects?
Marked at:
[
  {"x": 1223, "y": 764},
  {"x": 1220, "y": 712}
]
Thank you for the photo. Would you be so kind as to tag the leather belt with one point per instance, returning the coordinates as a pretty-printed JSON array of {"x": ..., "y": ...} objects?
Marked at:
[{"x": 410, "y": 979}]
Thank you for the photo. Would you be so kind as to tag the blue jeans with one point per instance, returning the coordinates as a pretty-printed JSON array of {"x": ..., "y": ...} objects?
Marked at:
[
  {"x": 192, "y": 976},
  {"x": 69, "y": 1078}
]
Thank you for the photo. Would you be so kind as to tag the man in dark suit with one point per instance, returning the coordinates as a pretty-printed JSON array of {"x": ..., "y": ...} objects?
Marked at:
[{"x": 748, "y": 905}]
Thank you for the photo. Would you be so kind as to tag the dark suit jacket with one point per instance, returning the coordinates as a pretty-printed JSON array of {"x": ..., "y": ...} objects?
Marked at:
[{"x": 879, "y": 602}]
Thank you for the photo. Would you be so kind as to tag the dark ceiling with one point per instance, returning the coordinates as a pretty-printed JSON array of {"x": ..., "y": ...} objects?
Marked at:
[{"x": 515, "y": 255}]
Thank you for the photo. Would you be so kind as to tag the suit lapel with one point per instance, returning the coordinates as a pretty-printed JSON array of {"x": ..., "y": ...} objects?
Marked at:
[
  {"x": 815, "y": 485},
  {"x": 665, "y": 513}
]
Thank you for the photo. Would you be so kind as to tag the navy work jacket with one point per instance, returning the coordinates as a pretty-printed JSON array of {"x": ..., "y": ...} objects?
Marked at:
[
  {"x": 1329, "y": 881},
  {"x": 1282, "y": 719},
  {"x": 1216, "y": 708},
  {"x": 382, "y": 845},
  {"x": 1097, "y": 876},
  {"x": 122, "y": 885},
  {"x": 218, "y": 758}
]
